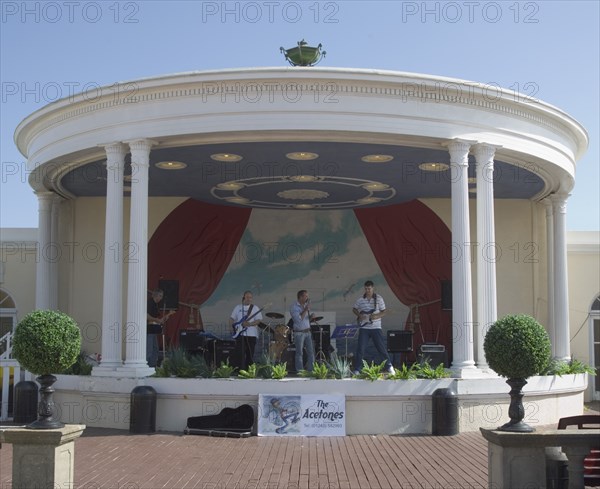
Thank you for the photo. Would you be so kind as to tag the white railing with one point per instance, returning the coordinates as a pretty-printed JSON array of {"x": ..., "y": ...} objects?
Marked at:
[{"x": 11, "y": 374}]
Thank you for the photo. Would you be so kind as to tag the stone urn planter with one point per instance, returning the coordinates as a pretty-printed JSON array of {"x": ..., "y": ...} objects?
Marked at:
[
  {"x": 517, "y": 347},
  {"x": 303, "y": 55},
  {"x": 46, "y": 343}
]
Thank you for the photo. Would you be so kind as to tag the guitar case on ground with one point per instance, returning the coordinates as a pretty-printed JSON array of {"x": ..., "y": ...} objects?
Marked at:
[{"x": 230, "y": 422}]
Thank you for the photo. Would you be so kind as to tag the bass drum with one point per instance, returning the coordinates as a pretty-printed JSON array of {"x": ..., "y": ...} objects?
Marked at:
[{"x": 280, "y": 342}]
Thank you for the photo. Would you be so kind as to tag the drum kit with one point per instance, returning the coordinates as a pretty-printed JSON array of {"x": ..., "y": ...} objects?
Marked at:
[{"x": 282, "y": 337}]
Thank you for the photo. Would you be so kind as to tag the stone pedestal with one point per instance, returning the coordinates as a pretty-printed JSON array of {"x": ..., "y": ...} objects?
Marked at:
[
  {"x": 42, "y": 458},
  {"x": 517, "y": 460}
]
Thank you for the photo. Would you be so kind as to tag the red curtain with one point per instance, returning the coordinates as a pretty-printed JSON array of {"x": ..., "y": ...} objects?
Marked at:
[
  {"x": 194, "y": 245},
  {"x": 413, "y": 249}
]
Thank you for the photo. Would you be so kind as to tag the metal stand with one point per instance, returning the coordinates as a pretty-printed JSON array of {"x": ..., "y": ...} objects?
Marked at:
[
  {"x": 346, "y": 332},
  {"x": 320, "y": 355}
]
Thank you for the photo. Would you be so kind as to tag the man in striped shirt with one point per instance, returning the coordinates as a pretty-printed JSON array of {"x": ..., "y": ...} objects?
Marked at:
[{"x": 369, "y": 309}]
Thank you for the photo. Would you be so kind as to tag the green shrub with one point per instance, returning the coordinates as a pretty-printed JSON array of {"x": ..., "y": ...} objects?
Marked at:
[
  {"x": 562, "y": 367},
  {"x": 517, "y": 346},
  {"x": 80, "y": 367},
  {"x": 46, "y": 342}
]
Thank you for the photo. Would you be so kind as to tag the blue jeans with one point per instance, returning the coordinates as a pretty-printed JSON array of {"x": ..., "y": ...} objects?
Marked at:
[
  {"x": 304, "y": 340},
  {"x": 152, "y": 349},
  {"x": 363, "y": 337}
]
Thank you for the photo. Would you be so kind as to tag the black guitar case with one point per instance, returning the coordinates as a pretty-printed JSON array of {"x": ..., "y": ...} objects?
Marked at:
[{"x": 230, "y": 422}]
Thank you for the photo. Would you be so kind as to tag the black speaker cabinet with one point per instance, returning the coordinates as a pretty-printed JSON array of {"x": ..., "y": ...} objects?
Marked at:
[
  {"x": 434, "y": 358},
  {"x": 192, "y": 340},
  {"x": 220, "y": 351},
  {"x": 446, "y": 295},
  {"x": 170, "y": 289},
  {"x": 399, "y": 341}
]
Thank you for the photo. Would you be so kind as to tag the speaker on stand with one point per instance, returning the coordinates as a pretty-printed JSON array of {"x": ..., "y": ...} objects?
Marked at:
[
  {"x": 170, "y": 290},
  {"x": 446, "y": 295}
]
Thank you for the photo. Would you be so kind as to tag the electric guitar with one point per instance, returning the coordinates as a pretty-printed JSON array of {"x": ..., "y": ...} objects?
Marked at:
[
  {"x": 238, "y": 329},
  {"x": 362, "y": 321}
]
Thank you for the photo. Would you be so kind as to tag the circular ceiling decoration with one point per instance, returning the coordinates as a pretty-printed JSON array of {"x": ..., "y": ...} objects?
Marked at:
[{"x": 303, "y": 192}]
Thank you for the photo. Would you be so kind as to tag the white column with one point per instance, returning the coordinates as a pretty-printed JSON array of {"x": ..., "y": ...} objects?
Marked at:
[
  {"x": 462, "y": 303},
  {"x": 561, "y": 290},
  {"x": 54, "y": 251},
  {"x": 550, "y": 278},
  {"x": 112, "y": 297},
  {"x": 487, "y": 310},
  {"x": 42, "y": 279},
  {"x": 135, "y": 328}
]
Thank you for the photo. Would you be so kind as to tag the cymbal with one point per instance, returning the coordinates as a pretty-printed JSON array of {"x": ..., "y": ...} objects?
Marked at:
[
  {"x": 274, "y": 315},
  {"x": 315, "y": 319}
]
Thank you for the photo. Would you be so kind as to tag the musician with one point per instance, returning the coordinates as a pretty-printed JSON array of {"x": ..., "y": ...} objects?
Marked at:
[
  {"x": 154, "y": 323},
  {"x": 369, "y": 309},
  {"x": 245, "y": 316},
  {"x": 301, "y": 316}
]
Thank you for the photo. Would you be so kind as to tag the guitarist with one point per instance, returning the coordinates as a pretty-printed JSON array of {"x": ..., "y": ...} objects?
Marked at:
[
  {"x": 243, "y": 321},
  {"x": 369, "y": 309},
  {"x": 154, "y": 325}
]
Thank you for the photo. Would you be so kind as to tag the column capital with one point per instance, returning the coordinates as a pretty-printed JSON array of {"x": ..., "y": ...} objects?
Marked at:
[
  {"x": 459, "y": 151},
  {"x": 141, "y": 144},
  {"x": 484, "y": 152},
  {"x": 559, "y": 202},
  {"x": 116, "y": 149},
  {"x": 45, "y": 199}
]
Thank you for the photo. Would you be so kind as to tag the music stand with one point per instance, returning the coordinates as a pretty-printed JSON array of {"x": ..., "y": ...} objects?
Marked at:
[{"x": 347, "y": 331}]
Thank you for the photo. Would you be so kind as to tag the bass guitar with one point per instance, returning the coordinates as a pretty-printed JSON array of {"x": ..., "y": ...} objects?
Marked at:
[{"x": 238, "y": 329}]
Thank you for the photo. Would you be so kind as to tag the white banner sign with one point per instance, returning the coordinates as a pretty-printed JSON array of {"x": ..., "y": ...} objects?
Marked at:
[{"x": 301, "y": 415}]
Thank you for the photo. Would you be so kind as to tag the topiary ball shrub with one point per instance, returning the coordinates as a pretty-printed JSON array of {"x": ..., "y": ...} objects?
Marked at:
[
  {"x": 517, "y": 347},
  {"x": 46, "y": 342}
]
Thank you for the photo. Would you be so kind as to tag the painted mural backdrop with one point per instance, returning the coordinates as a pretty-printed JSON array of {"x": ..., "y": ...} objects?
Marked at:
[{"x": 219, "y": 252}]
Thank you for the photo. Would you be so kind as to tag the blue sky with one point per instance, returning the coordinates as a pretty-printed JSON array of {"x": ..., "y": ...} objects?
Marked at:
[{"x": 549, "y": 49}]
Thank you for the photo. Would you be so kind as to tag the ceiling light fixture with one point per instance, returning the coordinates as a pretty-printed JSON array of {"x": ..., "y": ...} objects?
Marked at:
[
  {"x": 368, "y": 200},
  {"x": 377, "y": 158},
  {"x": 237, "y": 200},
  {"x": 226, "y": 157},
  {"x": 301, "y": 156},
  {"x": 472, "y": 180},
  {"x": 303, "y": 178},
  {"x": 230, "y": 186},
  {"x": 170, "y": 165},
  {"x": 304, "y": 206},
  {"x": 375, "y": 186},
  {"x": 434, "y": 166}
]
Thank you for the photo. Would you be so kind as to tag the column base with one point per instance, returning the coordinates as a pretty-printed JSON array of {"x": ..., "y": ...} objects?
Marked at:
[
  {"x": 467, "y": 373},
  {"x": 135, "y": 371},
  {"x": 107, "y": 370}
]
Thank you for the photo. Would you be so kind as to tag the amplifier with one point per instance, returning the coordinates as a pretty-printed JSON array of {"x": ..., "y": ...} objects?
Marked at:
[
  {"x": 192, "y": 339},
  {"x": 220, "y": 351},
  {"x": 432, "y": 347},
  {"x": 399, "y": 341}
]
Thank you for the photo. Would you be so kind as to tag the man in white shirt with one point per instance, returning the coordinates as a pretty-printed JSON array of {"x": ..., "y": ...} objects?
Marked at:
[
  {"x": 369, "y": 309},
  {"x": 243, "y": 321},
  {"x": 301, "y": 316}
]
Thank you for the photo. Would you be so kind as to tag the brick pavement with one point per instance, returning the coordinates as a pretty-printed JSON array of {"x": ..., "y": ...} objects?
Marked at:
[{"x": 113, "y": 459}]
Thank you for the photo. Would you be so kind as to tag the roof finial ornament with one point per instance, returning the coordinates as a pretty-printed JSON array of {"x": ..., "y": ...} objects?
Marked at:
[{"x": 303, "y": 55}]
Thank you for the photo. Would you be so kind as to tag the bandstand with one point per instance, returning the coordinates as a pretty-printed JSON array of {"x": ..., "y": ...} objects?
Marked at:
[{"x": 276, "y": 179}]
